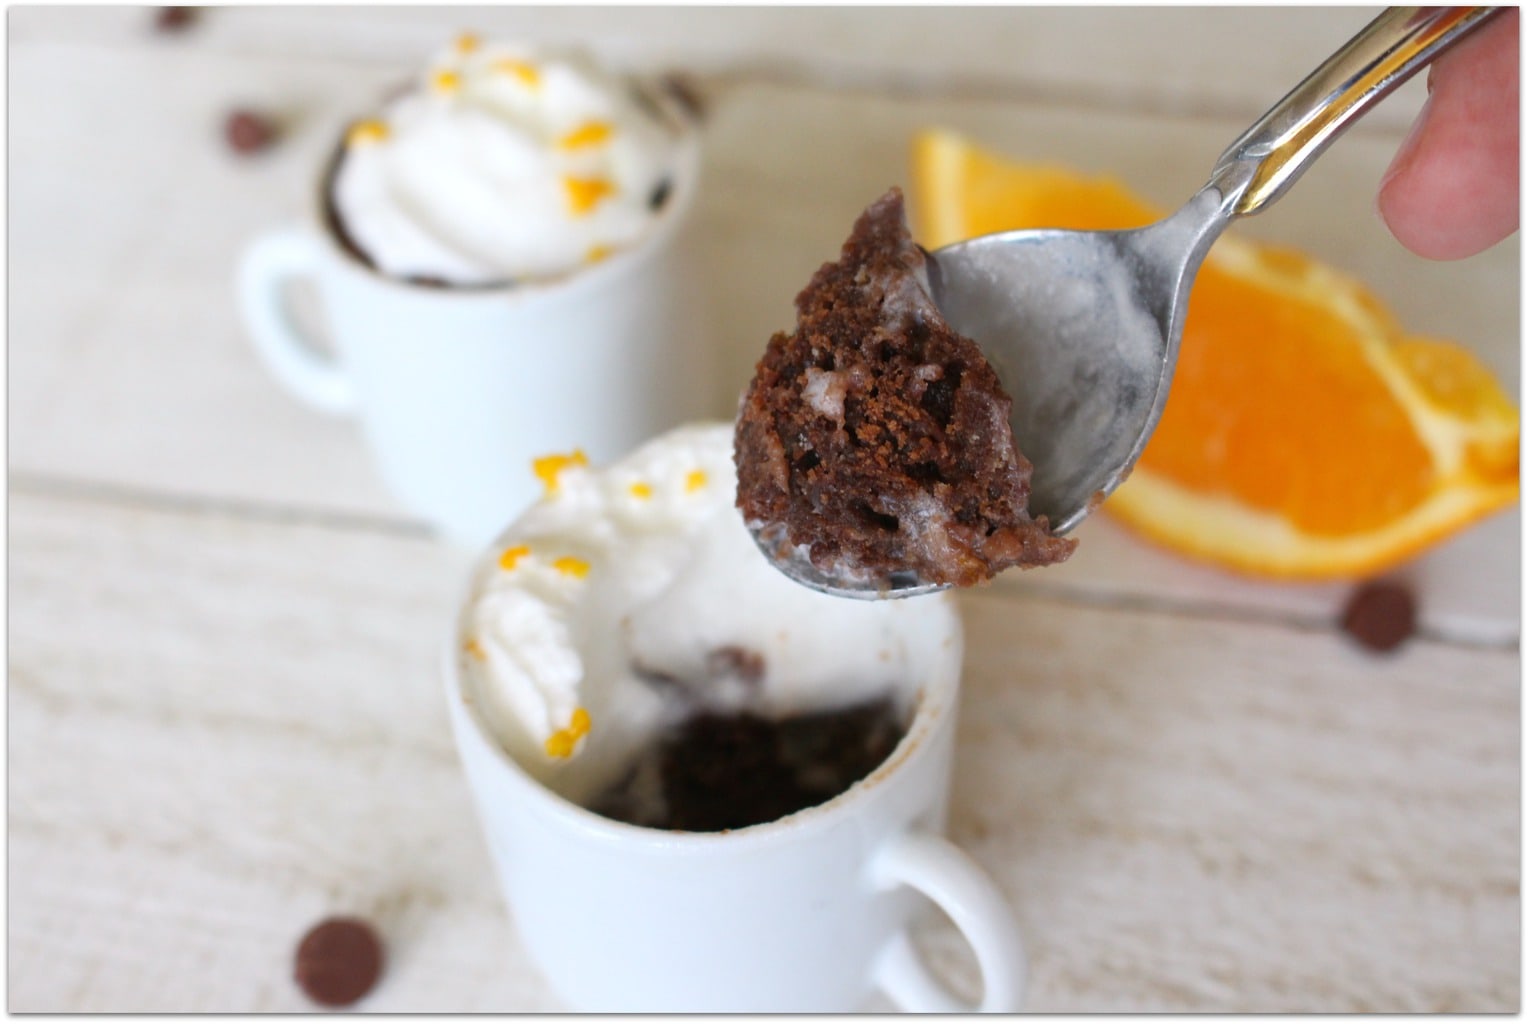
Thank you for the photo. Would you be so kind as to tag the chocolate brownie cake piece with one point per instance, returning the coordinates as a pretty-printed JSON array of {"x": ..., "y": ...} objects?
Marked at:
[
  {"x": 716, "y": 771},
  {"x": 875, "y": 439}
]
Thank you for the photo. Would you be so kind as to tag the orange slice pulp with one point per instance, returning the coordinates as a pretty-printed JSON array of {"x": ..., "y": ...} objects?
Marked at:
[{"x": 1306, "y": 436}]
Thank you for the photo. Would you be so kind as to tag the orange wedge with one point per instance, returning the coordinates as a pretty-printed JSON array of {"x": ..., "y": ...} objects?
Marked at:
[{"x": 1307, "y": 436}]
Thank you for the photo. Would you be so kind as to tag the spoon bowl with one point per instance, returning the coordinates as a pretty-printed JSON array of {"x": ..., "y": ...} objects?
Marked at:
[{"x": 1082, "y": 328}]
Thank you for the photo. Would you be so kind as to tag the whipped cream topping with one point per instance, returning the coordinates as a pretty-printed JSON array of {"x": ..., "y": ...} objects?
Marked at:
[
  {"x": 501, "y": 164},
  {"x": 632, "y": 595}
]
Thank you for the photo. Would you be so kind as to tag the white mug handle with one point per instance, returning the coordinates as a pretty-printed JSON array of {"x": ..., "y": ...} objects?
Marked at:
[
  {"x": 269, "y": 263},
  {"x": 944, "y": 873}
]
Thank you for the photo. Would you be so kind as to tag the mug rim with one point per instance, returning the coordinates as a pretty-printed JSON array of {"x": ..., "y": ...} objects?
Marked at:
[
  {"x": 935, "y": 698},
  {"x": 664, "y": 226}
]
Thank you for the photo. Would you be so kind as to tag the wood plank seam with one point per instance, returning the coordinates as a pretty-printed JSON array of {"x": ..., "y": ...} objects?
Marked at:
[
  {"x": 961, "y": 88},
  {"x": 1205, "y": 611},
  {"x": 108, "y": 495},
  {"x": 41, "y": 485}
]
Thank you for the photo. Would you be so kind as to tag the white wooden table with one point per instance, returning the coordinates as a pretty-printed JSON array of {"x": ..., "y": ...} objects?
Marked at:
[{"x": 223, "y": 717}]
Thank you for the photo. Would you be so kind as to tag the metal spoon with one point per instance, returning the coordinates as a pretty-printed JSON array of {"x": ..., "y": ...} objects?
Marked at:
[{"x": 1083, "y": 326}]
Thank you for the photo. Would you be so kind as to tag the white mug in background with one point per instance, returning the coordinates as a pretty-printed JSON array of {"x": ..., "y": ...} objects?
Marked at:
[
  {"x": 458, "y": 389},
  {"x": 806, "y": 913}
]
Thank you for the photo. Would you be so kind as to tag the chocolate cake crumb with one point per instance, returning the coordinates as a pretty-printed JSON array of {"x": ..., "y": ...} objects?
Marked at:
[
  {"x": 877, "y": 439},
  {"x": 737, "y": 662},
  {"x": 729, "y": 673}
]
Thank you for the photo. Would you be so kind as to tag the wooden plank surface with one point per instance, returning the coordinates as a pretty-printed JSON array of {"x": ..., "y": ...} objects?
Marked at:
[
  {"x": 1180, "y": 59},
  {"x": 224, "y": 720},
  {"x": 224, "y": 727}
]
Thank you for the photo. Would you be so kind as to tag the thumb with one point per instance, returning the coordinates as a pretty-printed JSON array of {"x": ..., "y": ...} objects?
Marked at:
[{"x": 1452, "y": 189}]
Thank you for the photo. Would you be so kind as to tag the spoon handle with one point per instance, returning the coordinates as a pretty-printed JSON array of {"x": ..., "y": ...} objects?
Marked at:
[{"x": 1266, "y": 160}]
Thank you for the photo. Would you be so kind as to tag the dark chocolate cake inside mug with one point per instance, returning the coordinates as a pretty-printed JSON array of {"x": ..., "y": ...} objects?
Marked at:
[{"x": 630, "y": 647}]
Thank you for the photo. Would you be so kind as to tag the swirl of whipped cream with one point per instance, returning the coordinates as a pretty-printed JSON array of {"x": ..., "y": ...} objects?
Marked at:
[
  {"x": 618, "y": 603},
  {"x": 502, "y": 165}
]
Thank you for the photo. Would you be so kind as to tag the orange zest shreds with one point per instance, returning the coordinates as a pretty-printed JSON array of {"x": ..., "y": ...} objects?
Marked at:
[
  {"x": 584, "y": 194},
  {"x": 570, "y": 566},
  {"x": 475, "y": 649},
  {"x": 526, "y": 73},
  {"x": 467, "y": 42},
  {"x": 560, "y": 744},
  {"x": 598, "y": 253},
  {"x": 695, "y": 480},
  {"x": 590, "y": 133},
  {"x": 511, "y": 556},
  {"x": 641, "y": 489},
  {"x": 363, "y": 132},
  {"x": 549, "y": 467},
  {"x": 446, "y": 81}
]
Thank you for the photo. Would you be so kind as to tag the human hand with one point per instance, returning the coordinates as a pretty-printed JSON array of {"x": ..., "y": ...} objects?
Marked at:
[{"x": 1452, "y": 189}]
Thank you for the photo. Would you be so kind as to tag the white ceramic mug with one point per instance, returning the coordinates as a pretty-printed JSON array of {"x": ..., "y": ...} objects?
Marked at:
[
  {"x": 806, "y": 913},
  {"x": 457, "y": 390}
]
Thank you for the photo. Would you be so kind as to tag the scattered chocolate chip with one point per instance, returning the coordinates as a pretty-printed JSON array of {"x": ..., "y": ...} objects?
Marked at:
[
  {"x": 660, "y": 194},
  {"x": 1380, "y": 615},
  {"x": 249, "y": 132},
  {"x": 175, "y": 19},
  {"x": 338, "y": 961}
]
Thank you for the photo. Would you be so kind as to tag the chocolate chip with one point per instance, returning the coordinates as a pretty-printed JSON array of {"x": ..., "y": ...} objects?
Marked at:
[
  {"x": 338, "y": 961},
  {"x": 175, "y": 19},
  {"x": 249, "y": 132},
  {"x": 1380, "y": 615},
  {"x": 660, "y": 194}
]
